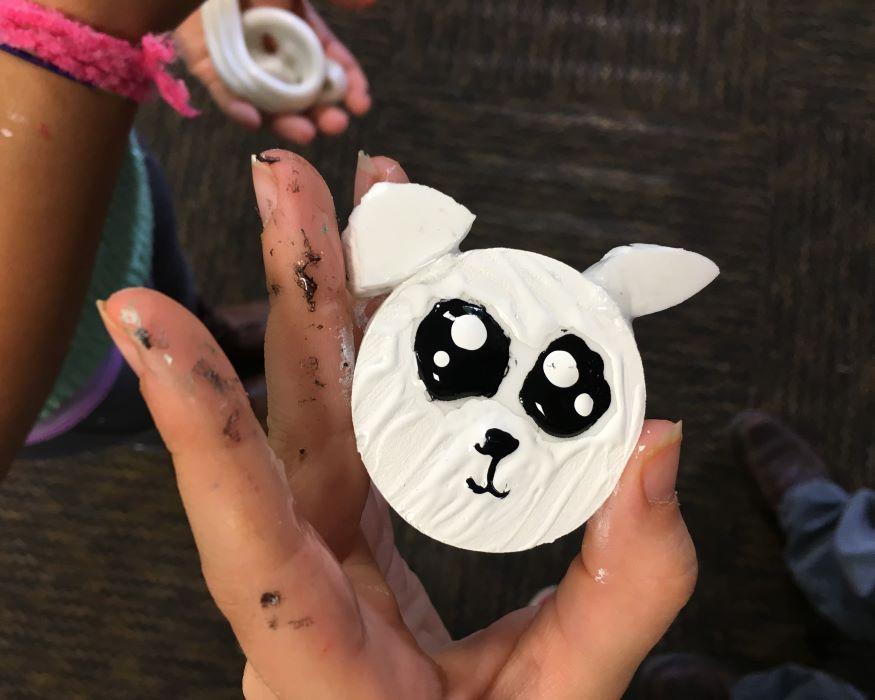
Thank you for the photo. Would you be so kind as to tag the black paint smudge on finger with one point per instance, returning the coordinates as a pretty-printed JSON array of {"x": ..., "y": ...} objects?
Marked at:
[
  {"x": 271, "y": 599},
  {"x": 301, "y": 623},
  {"x": 143, "y": 336},
  {"x": 205, "y": 370},
  {"x": 231, "y": 431},
  {"x": 304, "y": 280}
]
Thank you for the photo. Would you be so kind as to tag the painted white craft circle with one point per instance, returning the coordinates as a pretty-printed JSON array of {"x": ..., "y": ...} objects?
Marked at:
[
  {"x": 561, "y": 369},
  {"x": 420, "y": 453},
  {"x": 468, "y": 332},
  {"x": 441, "y": 358}
]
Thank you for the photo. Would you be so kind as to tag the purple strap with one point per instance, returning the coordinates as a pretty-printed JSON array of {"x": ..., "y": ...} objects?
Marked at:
[{"x": 82, "y": 404}]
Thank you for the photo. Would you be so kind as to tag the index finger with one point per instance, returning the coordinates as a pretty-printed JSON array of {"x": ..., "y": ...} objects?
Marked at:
[
  {"x": 309, "y": 354},
  {"x": 310, "y": 339}
]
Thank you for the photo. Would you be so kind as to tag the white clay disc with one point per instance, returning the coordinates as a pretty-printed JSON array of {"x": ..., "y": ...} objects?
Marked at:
[{"x": 428, "y": 457}]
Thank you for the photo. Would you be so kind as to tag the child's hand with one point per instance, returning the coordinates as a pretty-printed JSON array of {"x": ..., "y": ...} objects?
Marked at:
[
  {"x": 299, "y": 128},
  {"x": 298, "y": 551}
]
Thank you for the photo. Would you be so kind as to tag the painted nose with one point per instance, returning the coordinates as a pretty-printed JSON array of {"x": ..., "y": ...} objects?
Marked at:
[{"x": 498, "y": 444}]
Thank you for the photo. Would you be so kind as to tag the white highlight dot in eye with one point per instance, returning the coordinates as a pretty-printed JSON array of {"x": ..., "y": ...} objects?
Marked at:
[
  {"x": 583, "y": 405},
  {"x": 441, "y": 359},
  {"x": 561, "y": 369},
  {"x": 468, "y": 332}
]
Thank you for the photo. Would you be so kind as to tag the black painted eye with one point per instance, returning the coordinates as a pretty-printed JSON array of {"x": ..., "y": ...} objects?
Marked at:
[
  {"x": 566, "y": 392},
  {"x": 460, "y": 351}
]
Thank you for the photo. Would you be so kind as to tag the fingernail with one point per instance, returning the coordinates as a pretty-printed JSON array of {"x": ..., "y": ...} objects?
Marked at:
[
  {"x": 542, "y": 596},
  {"x": 365, "y": 163},
  {"x": 245, "y": 114},
  {"x": 266, "y": 188},
  {"x": 660, "y": 470},
  {"x": 365, "y": 176},
  {"x": 130, "y": 348}
]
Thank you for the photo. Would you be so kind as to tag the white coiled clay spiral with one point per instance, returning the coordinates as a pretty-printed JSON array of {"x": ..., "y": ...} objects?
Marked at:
[{"x": 270, "y": 57}]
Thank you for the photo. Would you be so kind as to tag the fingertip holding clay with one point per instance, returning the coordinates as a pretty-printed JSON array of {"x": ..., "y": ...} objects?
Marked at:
[
  {"x": 390, "y": 170},
  {"x": 365, "y": 176},
  {"x": 371, "y": 170}
]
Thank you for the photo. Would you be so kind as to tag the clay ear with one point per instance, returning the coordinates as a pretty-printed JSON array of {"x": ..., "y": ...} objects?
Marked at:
[
  {"x": 397, "y": 230},
  {"x": 644, "y": 279}
]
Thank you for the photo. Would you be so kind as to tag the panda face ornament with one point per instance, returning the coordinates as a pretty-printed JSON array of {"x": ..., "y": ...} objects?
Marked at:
[{"x": 498, "y": 393}]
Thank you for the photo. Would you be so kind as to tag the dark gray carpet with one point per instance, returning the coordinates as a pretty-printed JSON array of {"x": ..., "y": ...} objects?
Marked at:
[{"x": 740, "y": 129}]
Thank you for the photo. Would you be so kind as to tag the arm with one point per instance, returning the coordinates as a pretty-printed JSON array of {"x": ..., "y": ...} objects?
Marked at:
[{"x": 61, "y": 147}]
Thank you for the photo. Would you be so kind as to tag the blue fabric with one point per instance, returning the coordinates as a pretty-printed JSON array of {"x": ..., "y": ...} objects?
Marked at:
[
  {"x": 40, "y": 63},
  {"x": 854, "y": 543},
  {"x": 124, "y": 259},
  {"x": 123, "y": 413},
  {"x": 831, "y": 552},
  {"x": 792, "y": 682}
]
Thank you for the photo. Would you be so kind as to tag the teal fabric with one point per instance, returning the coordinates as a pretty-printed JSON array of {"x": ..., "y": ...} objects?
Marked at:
[{"x": 124, "y": 259}]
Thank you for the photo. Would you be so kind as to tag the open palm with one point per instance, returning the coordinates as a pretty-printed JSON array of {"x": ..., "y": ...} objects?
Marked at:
[
  {"x": 297, "y": 548},
  {"x": 299, "y": 128}
]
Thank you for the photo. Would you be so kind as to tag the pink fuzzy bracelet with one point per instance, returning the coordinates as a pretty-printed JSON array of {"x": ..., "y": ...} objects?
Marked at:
[{"x": 50, "y": 39}]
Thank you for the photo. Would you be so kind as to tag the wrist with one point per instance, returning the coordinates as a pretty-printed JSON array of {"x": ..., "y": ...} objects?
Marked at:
[
  {"x": 88, "y": 51},
  {"x": 127, "y": 19}
]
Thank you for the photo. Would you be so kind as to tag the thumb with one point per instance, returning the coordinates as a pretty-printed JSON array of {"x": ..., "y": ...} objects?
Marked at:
[
  {"x": 636, "y": 570},
  {"x": 637, "y": 549}
]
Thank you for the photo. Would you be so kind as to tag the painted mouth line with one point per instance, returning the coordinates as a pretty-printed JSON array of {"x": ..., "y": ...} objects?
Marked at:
[
  {"x": 489, "y": 488},
  {"x": 497, "y": 445}
]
